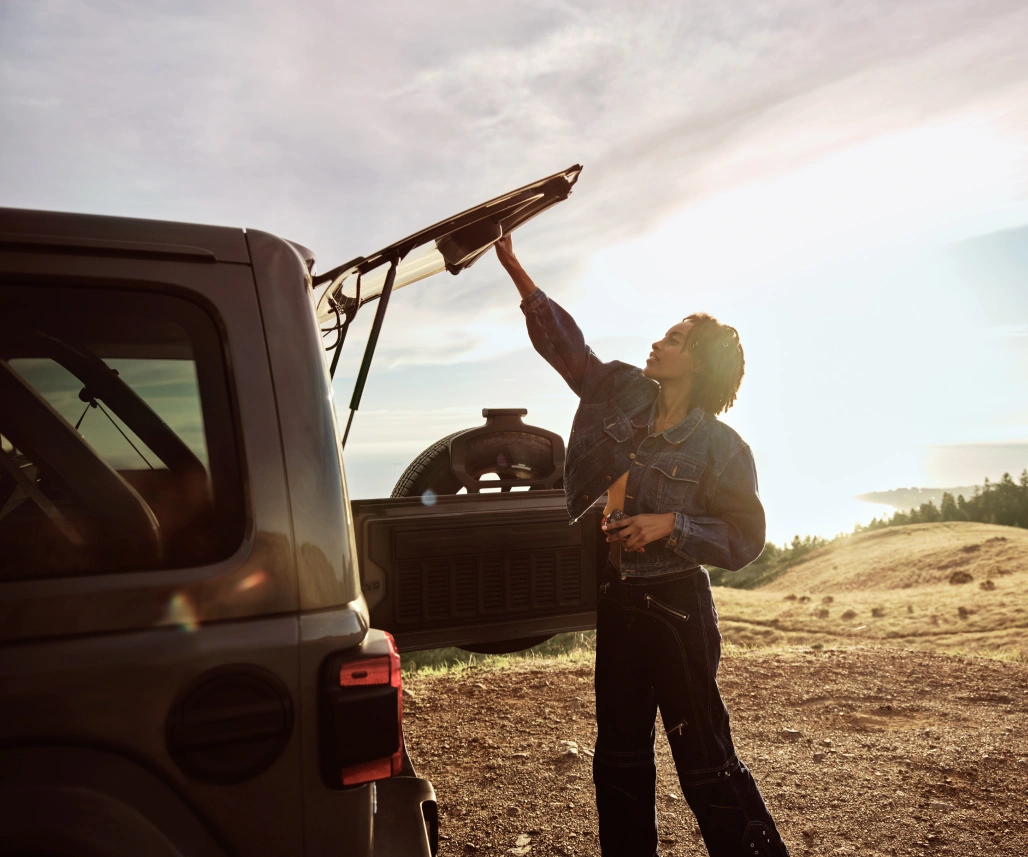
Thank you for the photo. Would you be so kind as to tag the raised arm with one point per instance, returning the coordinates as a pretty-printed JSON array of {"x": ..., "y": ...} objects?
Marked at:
[
  {"x": 552, "y": 330},
  {"x": 505, "y": 253}
]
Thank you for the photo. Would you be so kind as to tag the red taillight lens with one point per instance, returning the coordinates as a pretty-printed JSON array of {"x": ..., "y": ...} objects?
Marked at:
[
  {"x": 382, "y": 671},
  {"x": 369, "y": 672}
]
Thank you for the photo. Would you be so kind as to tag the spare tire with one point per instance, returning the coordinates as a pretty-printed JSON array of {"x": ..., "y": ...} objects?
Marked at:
[{"x": 508, "y": 454}]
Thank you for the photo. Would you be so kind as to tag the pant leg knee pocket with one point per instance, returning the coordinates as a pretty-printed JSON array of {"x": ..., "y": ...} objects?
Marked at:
[{"x": 760, "y": 841}]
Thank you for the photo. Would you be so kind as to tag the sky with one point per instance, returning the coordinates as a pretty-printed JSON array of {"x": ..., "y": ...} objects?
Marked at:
[{"x": 845, "y": 183}]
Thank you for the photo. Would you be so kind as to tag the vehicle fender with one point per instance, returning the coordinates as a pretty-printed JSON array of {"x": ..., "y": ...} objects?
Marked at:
[{"x": 93, "y": 803}]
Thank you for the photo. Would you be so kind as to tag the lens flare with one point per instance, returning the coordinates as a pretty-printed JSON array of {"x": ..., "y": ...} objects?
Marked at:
[
  {"x": 251, "y": 580},
  {"x": 181, "y": 613}
]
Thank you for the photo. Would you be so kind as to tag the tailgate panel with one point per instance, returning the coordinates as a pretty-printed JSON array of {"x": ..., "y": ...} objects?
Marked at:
[{"x": 477, "y": 569}]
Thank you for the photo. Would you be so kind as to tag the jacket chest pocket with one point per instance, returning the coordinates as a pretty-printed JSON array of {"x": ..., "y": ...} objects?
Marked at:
[
  {"x": 598, "y": 428},
  {"x": 616, "y": 426},
  {"x": 675, "y": 485}
]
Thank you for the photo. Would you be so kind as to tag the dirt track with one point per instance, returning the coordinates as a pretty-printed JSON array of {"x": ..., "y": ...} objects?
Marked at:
[{"x": 898, "y": 753}]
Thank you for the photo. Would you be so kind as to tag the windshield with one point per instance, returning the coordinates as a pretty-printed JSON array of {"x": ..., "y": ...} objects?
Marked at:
[{"x": 422, "y": 262}]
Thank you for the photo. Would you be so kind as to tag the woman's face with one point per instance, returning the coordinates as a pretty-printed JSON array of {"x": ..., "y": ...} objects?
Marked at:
[{"x": 670, "y": 359}]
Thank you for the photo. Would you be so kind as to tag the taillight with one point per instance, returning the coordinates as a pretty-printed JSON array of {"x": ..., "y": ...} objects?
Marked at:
[{"x": 362, "y": 714}]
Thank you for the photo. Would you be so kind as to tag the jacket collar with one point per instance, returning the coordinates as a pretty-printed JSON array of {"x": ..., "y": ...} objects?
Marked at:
[{"x": 677, "y": 433}]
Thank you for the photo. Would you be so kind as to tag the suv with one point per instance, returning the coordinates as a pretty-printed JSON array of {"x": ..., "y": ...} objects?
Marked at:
[{"x": 199, "y": 632}]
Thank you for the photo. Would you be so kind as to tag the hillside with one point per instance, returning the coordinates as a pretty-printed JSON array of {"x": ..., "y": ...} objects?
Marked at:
[
  {"x": 953, "y": 585},
  {"x": 905, "y": 557}
]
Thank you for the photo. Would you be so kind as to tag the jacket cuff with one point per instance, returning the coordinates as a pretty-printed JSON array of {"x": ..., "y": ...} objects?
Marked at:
[
  {"x": 678, "y": 540},
  {"x": 533, "y": 301}
]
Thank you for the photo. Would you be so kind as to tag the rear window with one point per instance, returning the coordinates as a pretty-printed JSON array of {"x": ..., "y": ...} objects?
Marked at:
[{"x": 117, "y": 445}]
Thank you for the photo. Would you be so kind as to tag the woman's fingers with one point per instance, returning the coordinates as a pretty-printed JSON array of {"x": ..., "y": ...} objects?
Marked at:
[
  {"x": 616, "y": 535},
  {"x": 639, "y": 530},
  {"x": 634, "y": 540},
  {"x": 632, "y": 531},
  {"x": 628, "y": 531}
]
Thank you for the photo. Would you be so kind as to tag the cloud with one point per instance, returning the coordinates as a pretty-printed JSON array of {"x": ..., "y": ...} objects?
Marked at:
[
  {"x": 346, "y": 126},
  {"x": 1003, "y": 331}
]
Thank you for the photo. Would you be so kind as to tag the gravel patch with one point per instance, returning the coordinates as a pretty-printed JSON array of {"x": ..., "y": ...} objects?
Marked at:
[{"x": 865, "y": 751}]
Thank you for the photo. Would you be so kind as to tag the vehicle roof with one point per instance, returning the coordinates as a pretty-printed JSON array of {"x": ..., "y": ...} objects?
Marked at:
[{"x": 32, "y": 229}]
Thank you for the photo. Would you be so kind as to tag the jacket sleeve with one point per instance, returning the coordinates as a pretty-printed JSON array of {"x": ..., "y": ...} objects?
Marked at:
[
  {"x": 559, "y": 340},
  {"x": 733, "y": 535}
]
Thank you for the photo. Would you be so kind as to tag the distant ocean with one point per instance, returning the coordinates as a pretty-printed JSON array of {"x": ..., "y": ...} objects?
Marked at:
[{"x": 373, "y": 474}]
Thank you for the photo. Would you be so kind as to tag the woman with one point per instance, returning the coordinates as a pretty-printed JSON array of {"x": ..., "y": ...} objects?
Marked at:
[{"x": 650, "y": 440}]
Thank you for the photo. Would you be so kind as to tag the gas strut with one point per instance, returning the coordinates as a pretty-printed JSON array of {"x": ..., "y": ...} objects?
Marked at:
[
  {"x": 343, "y": 326},
  {"x": 369, "y": 349}
]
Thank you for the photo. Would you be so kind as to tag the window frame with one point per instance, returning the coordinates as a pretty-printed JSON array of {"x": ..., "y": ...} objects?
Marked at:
[{"x": 224, "y": 469}]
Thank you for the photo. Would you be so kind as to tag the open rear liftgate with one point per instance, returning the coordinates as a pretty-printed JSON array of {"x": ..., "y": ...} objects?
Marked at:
[{"x": 450, "y": 245}]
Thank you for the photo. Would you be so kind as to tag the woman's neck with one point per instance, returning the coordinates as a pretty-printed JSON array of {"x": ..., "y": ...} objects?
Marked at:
[{"x": 673, "y": 405}]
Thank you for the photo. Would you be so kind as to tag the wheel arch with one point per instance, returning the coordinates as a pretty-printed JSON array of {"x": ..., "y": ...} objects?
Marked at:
[{"x": 89, "y": 802}]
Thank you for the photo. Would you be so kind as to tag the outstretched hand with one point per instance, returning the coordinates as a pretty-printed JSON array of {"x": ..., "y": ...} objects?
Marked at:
[
  {"x": 505, "y": 253},
  {"x": 640, "y": 530},
  {"x": 505, "y": 250}
]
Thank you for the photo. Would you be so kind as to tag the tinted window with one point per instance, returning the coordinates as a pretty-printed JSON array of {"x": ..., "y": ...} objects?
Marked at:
[{"x": 118, "y": 448}]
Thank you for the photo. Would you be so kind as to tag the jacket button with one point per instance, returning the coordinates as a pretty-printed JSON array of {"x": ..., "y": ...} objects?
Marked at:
[
  {"x": 607, "y": 478},
  {"x": 631, "y": 455},
  {"x": 672, "y": 542},
  {"x": 585, "y": 496}
]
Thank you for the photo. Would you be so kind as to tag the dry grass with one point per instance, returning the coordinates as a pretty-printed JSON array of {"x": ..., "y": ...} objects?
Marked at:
[
  {"x": 908, "y": 557},
  {"x": 893, "y": 587}
]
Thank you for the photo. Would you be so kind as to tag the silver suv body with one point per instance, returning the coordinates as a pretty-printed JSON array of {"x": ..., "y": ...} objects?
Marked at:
[{"x": 188, "y": 663}]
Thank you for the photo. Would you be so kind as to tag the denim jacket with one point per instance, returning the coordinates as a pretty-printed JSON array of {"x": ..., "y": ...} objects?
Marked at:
[{"x": 699, "y": 469}]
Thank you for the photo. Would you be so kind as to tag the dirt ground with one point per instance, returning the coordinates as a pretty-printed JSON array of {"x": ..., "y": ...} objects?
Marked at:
[{"x": 862, "y": 751}]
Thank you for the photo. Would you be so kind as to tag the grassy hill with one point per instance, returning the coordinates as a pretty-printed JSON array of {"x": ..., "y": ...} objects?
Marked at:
[{"x": 954, "y": 586}]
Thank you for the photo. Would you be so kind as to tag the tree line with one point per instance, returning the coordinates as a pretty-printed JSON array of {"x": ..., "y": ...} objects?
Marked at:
[{"x": 1004, "y": 503}]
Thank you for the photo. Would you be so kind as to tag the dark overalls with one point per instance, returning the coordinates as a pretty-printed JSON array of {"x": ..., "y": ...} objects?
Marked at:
[{"x": 658, "y": 644}]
